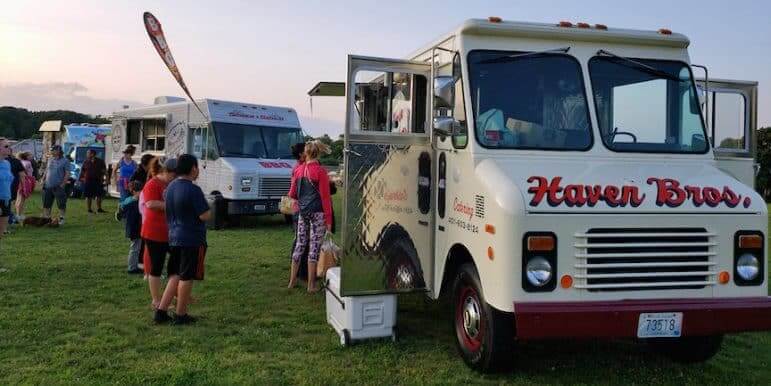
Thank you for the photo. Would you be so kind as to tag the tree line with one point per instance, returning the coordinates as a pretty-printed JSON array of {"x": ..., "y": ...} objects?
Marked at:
[{"x": 19, "y": 123}]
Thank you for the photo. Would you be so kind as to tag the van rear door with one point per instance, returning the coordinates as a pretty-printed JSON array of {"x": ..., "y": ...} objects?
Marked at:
[
  {"x": 388, "y": 204},
  {"x": 731, "y": 118}
]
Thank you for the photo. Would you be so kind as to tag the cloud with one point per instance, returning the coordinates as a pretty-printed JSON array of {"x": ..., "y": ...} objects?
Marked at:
[{"x": 58, "y": 96}]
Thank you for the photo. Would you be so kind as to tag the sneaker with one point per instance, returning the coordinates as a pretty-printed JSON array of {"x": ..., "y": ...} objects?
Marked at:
[
  {"x": 90, "y": 211},
  {"x": 61, "y": 221},
  {"x": 161, "y": 317},
  {"x": 100, "y": 210},
  {"x": 135, "y": 271},
  {"x": 183, "y": 319}
]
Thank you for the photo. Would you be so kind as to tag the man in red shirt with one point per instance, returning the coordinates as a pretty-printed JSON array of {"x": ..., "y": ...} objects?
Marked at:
[{"x": 155, "y": 232}]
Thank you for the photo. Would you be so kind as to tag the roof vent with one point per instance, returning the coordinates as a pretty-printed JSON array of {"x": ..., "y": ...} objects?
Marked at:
[{"x": 162, "y": 100}]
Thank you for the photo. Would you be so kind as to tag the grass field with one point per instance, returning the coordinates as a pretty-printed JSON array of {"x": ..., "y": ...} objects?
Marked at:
[{"x": 70, "y": 314}]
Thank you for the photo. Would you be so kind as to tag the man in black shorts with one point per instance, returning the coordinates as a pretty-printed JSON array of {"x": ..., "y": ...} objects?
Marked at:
[
  {"x": 92, "y": 178},
  {"x": 186, "y": 214}
]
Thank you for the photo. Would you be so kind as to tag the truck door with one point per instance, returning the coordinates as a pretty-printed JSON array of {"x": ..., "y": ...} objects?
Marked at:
[
  {"x": 388, "y": 211},
  {"x": 203, "y": 146},
  {"x": 731, "y": 118}
]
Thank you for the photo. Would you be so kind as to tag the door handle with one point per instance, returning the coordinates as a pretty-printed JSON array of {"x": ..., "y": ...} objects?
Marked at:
[{"x": 349, "y": 151}]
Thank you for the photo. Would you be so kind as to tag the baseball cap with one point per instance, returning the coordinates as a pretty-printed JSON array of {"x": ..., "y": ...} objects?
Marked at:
[
  {"x": 56, "y": 148},
  {"x": 170, "y": 165}
]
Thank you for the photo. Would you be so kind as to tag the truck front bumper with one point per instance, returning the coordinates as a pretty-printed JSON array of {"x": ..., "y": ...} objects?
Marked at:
[
  {"x": 619, "y": 319},
  {"x": 252, "y": 207}
]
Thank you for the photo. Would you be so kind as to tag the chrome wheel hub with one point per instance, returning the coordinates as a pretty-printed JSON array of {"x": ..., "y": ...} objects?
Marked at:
[{"x": 471, "y": 317}]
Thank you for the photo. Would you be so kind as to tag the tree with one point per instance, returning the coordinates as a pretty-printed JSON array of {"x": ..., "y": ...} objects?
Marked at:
[{"x": 21, "y": 123}]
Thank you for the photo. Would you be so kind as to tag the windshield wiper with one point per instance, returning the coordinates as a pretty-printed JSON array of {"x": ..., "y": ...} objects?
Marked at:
[
  {"x": 508, "y": 58},
  {"x": 237, "y": 154},
  {"x": 642, "y": 66}
]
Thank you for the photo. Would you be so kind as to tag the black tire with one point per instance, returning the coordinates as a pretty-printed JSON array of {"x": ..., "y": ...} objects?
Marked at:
[
  {"x": 484, "y": 335},
  {"x": 346, "y": 338},
  {"x": 402, "y": 266},
  {"x": 219, "y": 213},
  {"x": 689, "y": 349}
]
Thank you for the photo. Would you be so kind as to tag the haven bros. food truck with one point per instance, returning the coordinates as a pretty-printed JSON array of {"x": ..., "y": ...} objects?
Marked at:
[
  {"x": 243, "y": 149},
  {"x": 556, "y": 181}
]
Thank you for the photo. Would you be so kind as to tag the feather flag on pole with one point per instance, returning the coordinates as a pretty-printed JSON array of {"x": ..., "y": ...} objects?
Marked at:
[{"x": 155, "y": 32}]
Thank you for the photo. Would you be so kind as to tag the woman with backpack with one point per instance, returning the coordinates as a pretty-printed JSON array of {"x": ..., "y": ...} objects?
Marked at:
[{"x": 310, "y": 187}]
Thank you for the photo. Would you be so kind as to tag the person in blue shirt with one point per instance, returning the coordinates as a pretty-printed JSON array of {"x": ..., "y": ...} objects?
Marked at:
[
  {"x": 186, "y": 214},
  {"x": 128, "y": 211},
  {"x": 6, "y": 179}
]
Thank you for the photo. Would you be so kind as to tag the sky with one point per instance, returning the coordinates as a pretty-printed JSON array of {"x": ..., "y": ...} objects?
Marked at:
[{"x": 94, "y": 56}]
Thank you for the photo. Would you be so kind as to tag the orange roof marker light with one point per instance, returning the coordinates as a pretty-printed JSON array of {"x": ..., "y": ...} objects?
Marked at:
[
  {"x": 566, "y": 281},
  {"x": 490, "y": 253},
  {"x": 494, "y": 19},
  {"x": 665, "y": 31},
  {"x": 490, "y": 228},
  {"x": 724, "y": 277},
  {"x": 750, "y": 242},
  {"x": 583, "y": 25},
  {"x": 565, "y": 23},
  {"x": 601, "y": 27}
]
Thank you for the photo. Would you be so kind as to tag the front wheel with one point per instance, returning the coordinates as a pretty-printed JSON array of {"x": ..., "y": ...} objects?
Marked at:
[
  {"x": 484, "y": 334},
  {"x": 689, "y": 349}
]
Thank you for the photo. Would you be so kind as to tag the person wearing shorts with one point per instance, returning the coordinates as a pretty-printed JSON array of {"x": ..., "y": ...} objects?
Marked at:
[
  {"x": 155, "y": 232},
  {"x": 186, "y": 214},
  {"x": 54, "y": 183},
  {"x": 92, "y": 177}
]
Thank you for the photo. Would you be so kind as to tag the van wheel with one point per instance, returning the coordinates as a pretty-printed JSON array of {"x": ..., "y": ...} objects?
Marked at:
[
  {"x": 689, "y": 349},
  {"x": 484, "y": 334},
  {"x": 401, "y": 269}
]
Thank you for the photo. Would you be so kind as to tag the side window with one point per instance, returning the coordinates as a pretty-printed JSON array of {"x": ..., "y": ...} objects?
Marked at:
[
  {"x": 153, "y": 135},
  {"x": 196, "y": 141},
  {"x": 210, "y": 149},
  {"x": 390, "y": 102},
  {"x": 133, "y": 129},
  {"x": 728, "y": 120}
]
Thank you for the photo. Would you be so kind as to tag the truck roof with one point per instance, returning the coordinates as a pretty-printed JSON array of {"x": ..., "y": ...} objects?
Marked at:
[
  {"x": 554, "y": 31},
  {"x": 226, "y": 111}
]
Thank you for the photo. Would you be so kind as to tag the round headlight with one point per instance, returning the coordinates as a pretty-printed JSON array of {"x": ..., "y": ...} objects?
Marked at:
[
  {"x": 538, "y": 271},
  {"x": 748, "y": 267}
]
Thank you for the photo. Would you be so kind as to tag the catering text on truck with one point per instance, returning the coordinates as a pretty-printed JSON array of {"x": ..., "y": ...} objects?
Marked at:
[
  {"x": 556, "y": 180},
  {"x": 244, "y": 149}
]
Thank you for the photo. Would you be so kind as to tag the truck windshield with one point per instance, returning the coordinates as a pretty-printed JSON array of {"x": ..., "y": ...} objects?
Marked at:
[
  {"x": 532, "y": 101},
  {"x": 249, "y": 141},
  {"x": 647, "y": 105}
]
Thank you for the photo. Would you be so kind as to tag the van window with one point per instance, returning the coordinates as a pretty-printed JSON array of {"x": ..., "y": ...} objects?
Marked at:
[
  {"x": 727, "y": 119},
  {"x": 390, "y": 102},
  {"x": 523, "y": 101},
  {"x": 154, "y": 135},
  {"x": 133, "y": 129},
  {"x": 647, "y": 105}
]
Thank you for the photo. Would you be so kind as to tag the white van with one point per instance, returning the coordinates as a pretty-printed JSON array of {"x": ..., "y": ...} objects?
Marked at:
[
  {"x": 243, "y": 149},
  {"x": 556, "y": 181}
]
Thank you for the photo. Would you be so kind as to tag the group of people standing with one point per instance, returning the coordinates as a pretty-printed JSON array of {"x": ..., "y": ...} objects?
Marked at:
[
  {"x": 165, "y": 219},
  {"x": 17, "y": 181}
]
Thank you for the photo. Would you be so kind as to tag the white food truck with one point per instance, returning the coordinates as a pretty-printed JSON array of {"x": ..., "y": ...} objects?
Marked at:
[
  {"x": 556, "y": 181},
  {"x": 243, "y": 149}
]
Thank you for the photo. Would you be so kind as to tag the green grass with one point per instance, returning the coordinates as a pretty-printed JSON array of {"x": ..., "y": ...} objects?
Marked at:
[{"x": 70, "y": 314}]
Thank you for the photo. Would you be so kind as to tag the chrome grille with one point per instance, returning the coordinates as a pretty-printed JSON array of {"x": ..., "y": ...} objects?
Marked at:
[
  {"x": 645, "y": 259},
  {"x": 274, "y": 186}
]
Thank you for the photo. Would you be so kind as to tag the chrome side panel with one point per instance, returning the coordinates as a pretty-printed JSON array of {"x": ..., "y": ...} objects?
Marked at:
[{"x": 388, "y": 217}]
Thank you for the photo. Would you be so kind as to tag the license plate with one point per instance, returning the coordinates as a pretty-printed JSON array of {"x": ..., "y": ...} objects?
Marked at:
[
  {"x": 259, "y": 207},
  {"x": 660, "y": 325}
]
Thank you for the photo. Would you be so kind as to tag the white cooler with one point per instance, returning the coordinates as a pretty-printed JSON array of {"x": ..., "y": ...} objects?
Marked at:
[{"x": 359, "y": 317}]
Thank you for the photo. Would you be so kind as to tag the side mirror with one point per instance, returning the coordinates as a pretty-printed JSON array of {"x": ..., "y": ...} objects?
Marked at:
[
  {"x": 445, "y": 126},
  {"x": 444, "y": 92}
]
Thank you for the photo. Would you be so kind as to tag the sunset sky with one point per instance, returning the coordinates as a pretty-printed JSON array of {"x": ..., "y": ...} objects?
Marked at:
[{"x": 94, "y": 56}]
